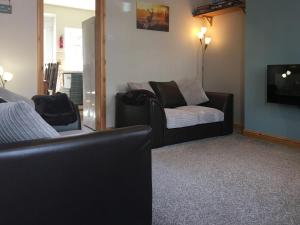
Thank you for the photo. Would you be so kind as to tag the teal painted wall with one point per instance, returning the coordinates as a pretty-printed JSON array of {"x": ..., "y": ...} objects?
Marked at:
[{"x": 272, "y": 37}]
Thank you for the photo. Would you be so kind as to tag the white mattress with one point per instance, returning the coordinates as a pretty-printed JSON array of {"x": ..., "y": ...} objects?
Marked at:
[{"x": 186, "y": 116}]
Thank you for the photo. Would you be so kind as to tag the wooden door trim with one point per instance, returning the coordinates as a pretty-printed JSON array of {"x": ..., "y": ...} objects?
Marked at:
[
  {"x": 40, "y": 47},
  {"x": 100, "y": 59},
  {"x": 100, "y": 66}
]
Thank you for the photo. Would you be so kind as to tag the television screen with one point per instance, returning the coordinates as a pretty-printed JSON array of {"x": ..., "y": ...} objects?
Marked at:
[{"x": 283, "y": 84}]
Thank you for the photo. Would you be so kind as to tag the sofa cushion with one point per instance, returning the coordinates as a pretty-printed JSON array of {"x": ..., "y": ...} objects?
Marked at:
[
  {"x": 187, "y": 116},
  {"x": 192, "y": 91},
  {"x": 9, "y": 96},
  {"x": 20, "y": 122},
  {"x": 179, "y": 118},
  {"x": 205, "y": 114},
  {"x": 140, "y": 86},
  {"x": 168, "y": 94}
]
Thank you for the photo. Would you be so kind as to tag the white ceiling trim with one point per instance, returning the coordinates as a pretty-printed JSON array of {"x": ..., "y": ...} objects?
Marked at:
[{"x": 78, "y": 4}]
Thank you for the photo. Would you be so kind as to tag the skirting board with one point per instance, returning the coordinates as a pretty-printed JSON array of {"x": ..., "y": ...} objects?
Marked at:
[
  {"x": 266, "y": 137},
  {"x": 238, "y": 128}
]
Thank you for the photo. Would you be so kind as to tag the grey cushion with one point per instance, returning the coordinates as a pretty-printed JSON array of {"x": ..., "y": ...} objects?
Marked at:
[
  {"x": 140, "y": 86},
  {"x": 179, "y": 118},
  {"x": 186, "y": 116},
  {"x": 13, "y": 97},
  {"x": 205, "y": 114},
  {"x": 192, "y": 91},
  {"x": 20, "y": 122}
]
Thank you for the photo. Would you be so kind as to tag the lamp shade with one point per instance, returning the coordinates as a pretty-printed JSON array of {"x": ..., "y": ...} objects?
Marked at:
[
  {"x": 200, "y": 35},
  {"x": 203, "y": 30},
  {"x": 1, "y": 70},
  {"x": 7, "y": 76},
  {"x": 208, "y": 40}
]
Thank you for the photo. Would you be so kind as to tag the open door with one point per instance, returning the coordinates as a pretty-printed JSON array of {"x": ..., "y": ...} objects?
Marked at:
[
  {"x": 89, "y": 65},
  {"x": 95, "y": 88}
]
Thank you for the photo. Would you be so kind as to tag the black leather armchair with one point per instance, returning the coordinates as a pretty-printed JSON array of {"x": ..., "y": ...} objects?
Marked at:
[
  {"x": 101, "y": 178},
  {"x": 152, "y": 114}
]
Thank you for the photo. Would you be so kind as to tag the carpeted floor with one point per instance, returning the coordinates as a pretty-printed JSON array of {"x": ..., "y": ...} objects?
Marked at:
[{"x": 229, "y": 180}]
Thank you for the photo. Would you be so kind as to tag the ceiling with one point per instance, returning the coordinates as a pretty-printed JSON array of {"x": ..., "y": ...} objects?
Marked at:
[{"x": 78, "y": 4}]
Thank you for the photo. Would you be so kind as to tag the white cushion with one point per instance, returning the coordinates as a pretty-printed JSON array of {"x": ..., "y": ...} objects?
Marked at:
[
  {"x": 186, "y": 116},
  {"x": 180, "y": 118},
  {"x": 192, "y": 91},
  {"x": 140, "y": 86},
  {"x": 205, "y": 114}
]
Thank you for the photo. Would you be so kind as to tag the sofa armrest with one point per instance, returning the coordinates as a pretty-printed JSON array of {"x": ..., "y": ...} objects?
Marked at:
[
  {"x": 158, "y": 122},
  {"x": 151, "y": 113},
  {"x": 130, "y": 115},
  {"x": 223, "y": 102},
  {"x": 78, "y": 180}
]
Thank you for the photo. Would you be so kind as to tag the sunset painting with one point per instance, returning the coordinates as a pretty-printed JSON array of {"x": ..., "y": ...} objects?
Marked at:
[{"x": 152, "y": 16}]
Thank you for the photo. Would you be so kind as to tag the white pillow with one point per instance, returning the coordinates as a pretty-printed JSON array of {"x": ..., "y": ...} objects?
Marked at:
[
  {"x": 20, "y": 122},
  {"x": 192, "y": 91},
  {"x": 140, "y": 86}
]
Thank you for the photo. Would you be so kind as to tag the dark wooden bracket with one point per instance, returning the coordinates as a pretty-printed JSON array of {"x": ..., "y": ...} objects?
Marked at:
[
  {"x": 209, "y": 19},
  {"x": 244, "y": 9}
]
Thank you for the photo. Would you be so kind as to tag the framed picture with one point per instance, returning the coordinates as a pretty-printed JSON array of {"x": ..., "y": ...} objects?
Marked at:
[{"x": 152, "y": 16}]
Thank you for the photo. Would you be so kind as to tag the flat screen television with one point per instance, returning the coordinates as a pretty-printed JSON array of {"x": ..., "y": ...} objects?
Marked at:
[{"x": 283, "y": 84}]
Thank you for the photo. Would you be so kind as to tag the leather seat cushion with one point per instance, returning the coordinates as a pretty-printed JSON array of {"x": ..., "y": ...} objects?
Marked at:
[{"x": 186, "y": 116}]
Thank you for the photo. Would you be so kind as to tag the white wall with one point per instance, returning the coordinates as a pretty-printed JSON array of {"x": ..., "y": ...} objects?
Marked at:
[
  {"x": 67, "y": 17},
  {"x": 224, "y": 62},
  {"x": 141, "y": 55},
  {"x": 18, "y": 46}
]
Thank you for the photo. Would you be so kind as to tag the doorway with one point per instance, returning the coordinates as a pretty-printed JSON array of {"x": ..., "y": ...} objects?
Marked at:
[{"x": 68, "y": 46}]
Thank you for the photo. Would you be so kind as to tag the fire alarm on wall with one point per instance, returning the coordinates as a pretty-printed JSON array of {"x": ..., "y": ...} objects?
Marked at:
[{"x": 61, "y": 41}]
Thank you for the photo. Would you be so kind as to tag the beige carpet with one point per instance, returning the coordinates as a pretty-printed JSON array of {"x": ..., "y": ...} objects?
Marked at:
[{"x": 229, "y": 180}]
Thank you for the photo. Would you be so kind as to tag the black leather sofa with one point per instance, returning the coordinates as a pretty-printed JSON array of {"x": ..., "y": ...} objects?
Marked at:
[
  {"x": 152, "y": 114},
  {"x": 101, "y": 178}
]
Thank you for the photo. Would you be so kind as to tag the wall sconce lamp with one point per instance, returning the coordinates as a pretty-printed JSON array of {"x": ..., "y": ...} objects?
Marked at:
[
  {"x": 5, "y": 76},
  {"x": 205, "y": 41}
]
